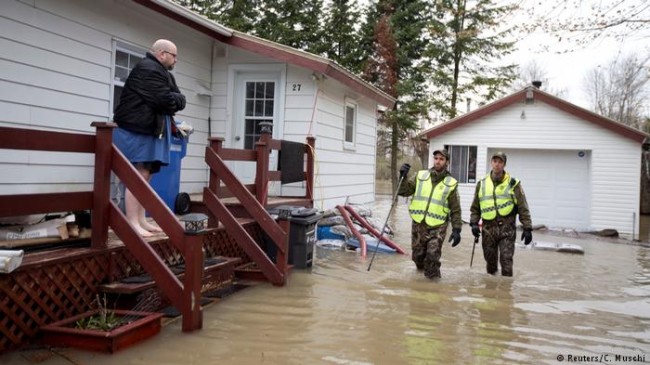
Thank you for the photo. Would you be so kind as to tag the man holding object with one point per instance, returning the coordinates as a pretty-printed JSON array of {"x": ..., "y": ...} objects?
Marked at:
[
  {"x": 435, "y": 200},
  {"x": 498, "y": 199}
]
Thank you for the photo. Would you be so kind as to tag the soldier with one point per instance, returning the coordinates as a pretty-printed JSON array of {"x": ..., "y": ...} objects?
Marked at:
[
  {"x": 498, "y": 198},
  {"x": 435, "y": 199}
]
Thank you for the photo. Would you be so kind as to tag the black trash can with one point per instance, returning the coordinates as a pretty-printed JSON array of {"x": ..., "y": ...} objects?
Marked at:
[
  {"x": 302, "y": 238},
  {"x": 302, "y": 234}
]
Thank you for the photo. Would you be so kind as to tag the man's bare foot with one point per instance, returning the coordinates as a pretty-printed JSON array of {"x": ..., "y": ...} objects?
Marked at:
[
  {"x": 150, "y": 227},
  {"x": 141, "y": 231}
]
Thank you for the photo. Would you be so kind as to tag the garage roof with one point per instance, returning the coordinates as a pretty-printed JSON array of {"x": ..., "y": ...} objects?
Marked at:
[
  {"x": 267, "y": 48},
  {"x": 539, "y": 95}
]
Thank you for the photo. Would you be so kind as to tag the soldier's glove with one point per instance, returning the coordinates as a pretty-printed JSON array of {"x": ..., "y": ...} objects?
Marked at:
[
  {"x": 527, "y": 236},
  {"x": 455, "y": 236},
  {"x": 475, "y": 230},
  {"x": 404, "y": 170}
]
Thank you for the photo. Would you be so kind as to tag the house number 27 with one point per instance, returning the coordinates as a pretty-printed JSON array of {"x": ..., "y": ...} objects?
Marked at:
[{"x": 296, "y": 87}]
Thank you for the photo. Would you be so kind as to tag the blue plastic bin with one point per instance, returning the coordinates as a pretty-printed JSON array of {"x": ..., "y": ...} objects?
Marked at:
[{"x": 167, "y": 181}]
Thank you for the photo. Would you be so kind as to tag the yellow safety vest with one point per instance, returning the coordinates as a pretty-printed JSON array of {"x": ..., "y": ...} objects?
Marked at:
[
  {"x": 431, "y": 201},
  {"x": 500, "y": 199}
]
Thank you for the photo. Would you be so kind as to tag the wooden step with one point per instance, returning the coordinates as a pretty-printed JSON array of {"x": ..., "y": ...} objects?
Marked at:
[
  {"x": 250, "y": 271},
  {"x": 138, "y": 284}
]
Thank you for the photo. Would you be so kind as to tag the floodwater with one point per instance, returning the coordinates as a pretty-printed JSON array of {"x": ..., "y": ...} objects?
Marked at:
[{"x": 558, "y": 308}]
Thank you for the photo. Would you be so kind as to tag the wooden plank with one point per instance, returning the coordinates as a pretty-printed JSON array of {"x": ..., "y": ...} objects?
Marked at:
[
  {"x": 16, "y": 205},
  {"x": 133, "y": 288},
  {"x": 32, "y": 139}
]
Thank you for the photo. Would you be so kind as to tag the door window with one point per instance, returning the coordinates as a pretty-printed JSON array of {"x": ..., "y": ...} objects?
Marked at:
[{"x": 259, "y": 103}]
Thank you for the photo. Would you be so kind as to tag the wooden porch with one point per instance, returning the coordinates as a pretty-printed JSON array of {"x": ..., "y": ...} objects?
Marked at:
[{"x": 61, "y": 282}]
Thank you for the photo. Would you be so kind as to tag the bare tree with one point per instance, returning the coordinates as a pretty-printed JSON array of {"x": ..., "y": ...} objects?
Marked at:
[
  {"x": 533, "y": 71},
  {"x": 583, "y": 22},
  {"x": 621, "y": 90}
]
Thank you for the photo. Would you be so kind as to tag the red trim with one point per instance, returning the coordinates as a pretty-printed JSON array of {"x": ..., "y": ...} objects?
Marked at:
[
  {"x": 268, "y": 49},
  {"x": 616, "y": 127},
  {"x": 181, "y": 19}
]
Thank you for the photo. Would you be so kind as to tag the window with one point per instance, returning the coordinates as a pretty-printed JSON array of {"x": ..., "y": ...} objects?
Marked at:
[
  {"x": 126, "y": 57},
  {"x": 260, "y": 99},
  {"x": 350, "y": 122},
  {"x": 462, "y": 163}
]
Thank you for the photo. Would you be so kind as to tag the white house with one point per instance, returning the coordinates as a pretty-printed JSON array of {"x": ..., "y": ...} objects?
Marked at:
[
  {"x": 579, "y": 170},
  {"x": 63, "y": 63}
]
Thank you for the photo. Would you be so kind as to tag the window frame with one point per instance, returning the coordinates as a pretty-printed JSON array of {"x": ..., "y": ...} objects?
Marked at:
[
  {"x": 130, "y": 50},
  {"x": 352, "y": 135},
  {"x": 468, "y": 155}
]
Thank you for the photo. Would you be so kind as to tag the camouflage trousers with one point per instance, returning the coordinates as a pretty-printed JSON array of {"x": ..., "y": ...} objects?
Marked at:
[
  {"x": 426, "y": 247},
  {"x": 499, "y": 244}
]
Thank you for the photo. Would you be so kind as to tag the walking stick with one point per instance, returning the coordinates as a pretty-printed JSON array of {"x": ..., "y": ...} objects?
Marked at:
[
  {"x": 386, "y": 222},
  {"x": 473, "y": 248}
]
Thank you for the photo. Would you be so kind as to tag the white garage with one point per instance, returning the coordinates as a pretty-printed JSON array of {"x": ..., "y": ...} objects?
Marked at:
[
  {"x": 556, "y": 183},
  {"x": 579, "y": 170}
]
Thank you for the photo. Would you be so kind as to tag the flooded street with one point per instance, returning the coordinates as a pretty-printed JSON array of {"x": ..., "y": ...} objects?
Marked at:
[{"x": 558, "y": 308}]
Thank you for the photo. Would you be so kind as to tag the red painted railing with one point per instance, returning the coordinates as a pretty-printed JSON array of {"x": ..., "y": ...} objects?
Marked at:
[
  {"x": 105, "y": 213},
  {"x": 222, "y": 184},
  {"x": 253, "y": 199}
]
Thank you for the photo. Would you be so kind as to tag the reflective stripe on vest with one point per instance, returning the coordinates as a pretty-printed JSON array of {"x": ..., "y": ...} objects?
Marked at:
[
  {"x": 431, "y": 202},
  {"x": 500, "y": 199}
]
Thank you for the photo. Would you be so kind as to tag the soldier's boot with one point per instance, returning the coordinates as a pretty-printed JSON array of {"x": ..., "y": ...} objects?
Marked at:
[
  {"x": 492, "y": 269},
  {"x": 432, "y": 274},
  {"x": 506, "y": 272}
]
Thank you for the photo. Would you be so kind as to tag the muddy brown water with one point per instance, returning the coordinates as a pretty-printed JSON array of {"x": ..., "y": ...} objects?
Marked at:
[{"x": 587, "y": 308}]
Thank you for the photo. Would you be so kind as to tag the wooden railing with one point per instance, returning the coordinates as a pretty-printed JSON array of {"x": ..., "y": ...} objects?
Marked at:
[
  {"x": 254, "y": 198},
  {"x": 105, "y": 213}
]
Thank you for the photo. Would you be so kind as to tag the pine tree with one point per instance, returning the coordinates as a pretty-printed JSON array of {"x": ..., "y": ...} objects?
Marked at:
[
  {"x": 294, "y": 23},
  {"x": 466, "y": 44},
  {"x": 396, "y": 66},
  {"x": 240, "y": 15},
  {"x": 340, "y": 41}
]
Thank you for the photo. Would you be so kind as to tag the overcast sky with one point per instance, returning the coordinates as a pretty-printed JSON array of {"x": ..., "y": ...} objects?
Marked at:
[{"x": 567, "y": 70}]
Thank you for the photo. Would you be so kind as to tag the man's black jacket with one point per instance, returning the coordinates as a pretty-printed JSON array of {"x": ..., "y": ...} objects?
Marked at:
[{"x": 150, "y": 92}]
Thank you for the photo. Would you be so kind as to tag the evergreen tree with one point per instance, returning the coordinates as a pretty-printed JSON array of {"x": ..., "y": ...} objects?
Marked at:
[
  {"x": 396, "y": 66},
  {"x": 341, "y": 42},
  {"x": 467, "y": 41},
  {"x": 240, "y": 15},
  {"x": 294, "y": 23}
]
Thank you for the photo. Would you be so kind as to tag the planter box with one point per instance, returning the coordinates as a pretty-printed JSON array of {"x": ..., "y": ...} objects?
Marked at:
[{"x": 64, "y": 333}]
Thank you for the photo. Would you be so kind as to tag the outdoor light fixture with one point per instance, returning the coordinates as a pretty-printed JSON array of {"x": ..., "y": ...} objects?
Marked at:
[
  {"x": 530, "y": 96},
  {"x": 194, "y": 222}
]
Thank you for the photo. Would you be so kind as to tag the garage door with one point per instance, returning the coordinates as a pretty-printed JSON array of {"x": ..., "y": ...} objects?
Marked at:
[{"x": 556, "y": 183}]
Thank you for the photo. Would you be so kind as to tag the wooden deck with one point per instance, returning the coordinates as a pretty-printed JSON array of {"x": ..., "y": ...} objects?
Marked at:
[{"x": 60, "y": 282}]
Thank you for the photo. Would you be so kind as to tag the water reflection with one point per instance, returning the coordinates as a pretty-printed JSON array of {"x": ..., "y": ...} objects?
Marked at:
[{"x": 338, "y": 312}]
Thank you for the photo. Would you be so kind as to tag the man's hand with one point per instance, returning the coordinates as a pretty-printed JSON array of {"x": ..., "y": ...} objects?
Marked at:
[
  {"x": 404, "y": 170},
  {"x": 475, "y": 230},
  {"x": 527, "y": 236},
  {"x": 455, "y": 236}
]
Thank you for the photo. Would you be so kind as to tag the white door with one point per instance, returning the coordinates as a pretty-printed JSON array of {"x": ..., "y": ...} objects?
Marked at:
[
  {"x": 556, "y": 183},
  {"x": 257, "y": 99}
]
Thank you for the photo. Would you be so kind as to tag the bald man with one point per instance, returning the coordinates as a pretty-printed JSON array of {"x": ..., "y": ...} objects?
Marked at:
[{"x": 144, "y": 115}]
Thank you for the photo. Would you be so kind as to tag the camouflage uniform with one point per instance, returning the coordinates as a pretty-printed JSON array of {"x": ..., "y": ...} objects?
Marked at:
[
  {"x": 426, "y": 242},
  {"x": 499, "y": 234}
]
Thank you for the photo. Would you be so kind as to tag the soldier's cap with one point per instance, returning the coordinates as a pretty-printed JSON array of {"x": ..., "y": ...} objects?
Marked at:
[
  {"x": 443, "y": 152},
  {"x": 501, "y": 156}
]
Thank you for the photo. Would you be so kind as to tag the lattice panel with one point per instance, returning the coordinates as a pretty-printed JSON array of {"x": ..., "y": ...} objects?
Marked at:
[
  {"x": 45, "y": 294},
  {"x": 220, "y": 243},
  {"x": 41, "y": 294},
  {"x": 123, "y": 263}
]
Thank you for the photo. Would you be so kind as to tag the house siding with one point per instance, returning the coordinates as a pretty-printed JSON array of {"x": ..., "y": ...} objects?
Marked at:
[
  {"x": 345, "y": 174},
  {"x": 615, "y": 160},
  {"x": 56, "y": 65}
]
